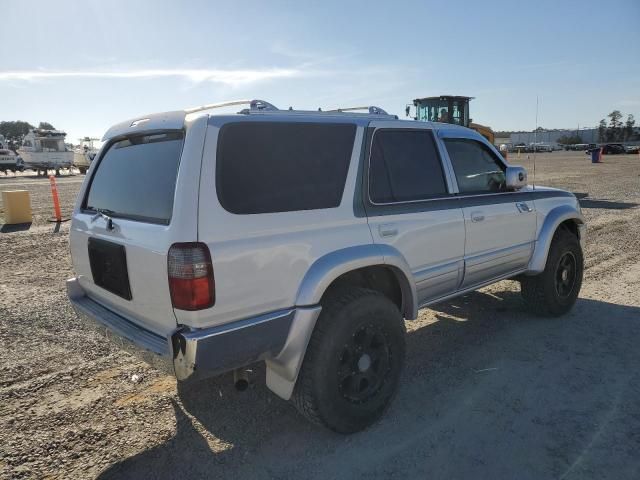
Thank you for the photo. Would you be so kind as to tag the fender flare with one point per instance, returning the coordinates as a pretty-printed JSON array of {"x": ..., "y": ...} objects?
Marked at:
[
  {"x": 329, "y": 267},
  {"x": 552, "y": 221},
  {"x": 282, "y": 370}
]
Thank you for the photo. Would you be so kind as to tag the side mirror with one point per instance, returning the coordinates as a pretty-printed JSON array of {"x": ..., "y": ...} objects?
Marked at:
[{"x": 516, "y": 177}]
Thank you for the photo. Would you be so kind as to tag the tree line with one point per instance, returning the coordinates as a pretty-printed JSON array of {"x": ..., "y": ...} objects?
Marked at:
[
  {"x": 616, "y": 130},
  {"x": 16, "y": 130}
]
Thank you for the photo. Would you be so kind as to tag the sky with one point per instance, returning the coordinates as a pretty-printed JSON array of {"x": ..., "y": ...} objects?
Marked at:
[{"x": 85, "y": 65}]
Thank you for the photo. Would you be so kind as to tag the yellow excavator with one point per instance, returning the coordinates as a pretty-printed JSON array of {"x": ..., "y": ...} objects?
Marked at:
[{"x": 449, "y": 109}]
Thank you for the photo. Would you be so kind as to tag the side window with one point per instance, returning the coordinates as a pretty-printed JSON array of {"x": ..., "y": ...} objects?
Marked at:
[
  {"x": 477, "y": 168},
  {"x": 269, "y": 167},
  {"x": 404, "y": 166}
]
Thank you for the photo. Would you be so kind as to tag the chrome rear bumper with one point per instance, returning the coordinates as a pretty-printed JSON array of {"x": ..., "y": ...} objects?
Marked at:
[{"x": 190, "y": 354}]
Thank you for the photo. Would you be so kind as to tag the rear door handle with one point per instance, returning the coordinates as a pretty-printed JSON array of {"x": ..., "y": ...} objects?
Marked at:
[
  {"x": 477, "y": 216},
  {"x": 387, "y": 230},
  {"x": 523, "y": 207}
]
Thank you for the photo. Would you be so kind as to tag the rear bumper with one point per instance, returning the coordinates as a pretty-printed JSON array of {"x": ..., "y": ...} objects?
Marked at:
[{"x": 190, "y": 354}]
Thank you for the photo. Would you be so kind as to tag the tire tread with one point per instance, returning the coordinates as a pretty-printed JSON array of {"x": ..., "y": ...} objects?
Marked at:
[
  {"x": 534, "y": 289},
  {"x": 303, "y": 398}
]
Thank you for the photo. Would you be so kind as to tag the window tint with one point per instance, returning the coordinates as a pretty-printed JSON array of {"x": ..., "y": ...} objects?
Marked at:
[
  {"x": 404, "y": 166},
  {"x": 136, "y": 178},
  {"x": 476, "y": 168},
  {"x": 266, "y": 167}
]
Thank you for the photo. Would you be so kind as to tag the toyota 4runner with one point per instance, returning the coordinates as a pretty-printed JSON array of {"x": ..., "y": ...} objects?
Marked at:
[{"x": 304, "y": 239}]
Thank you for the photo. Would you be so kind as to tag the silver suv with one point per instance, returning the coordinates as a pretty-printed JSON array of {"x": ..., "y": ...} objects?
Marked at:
[{"x": 304, "y": 239}]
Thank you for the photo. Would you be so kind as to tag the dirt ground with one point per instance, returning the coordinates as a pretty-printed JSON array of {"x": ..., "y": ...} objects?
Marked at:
[{"x": 489, "y": 390}]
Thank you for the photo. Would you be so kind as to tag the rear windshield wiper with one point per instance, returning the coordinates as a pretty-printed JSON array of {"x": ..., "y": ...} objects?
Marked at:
[{"x": 106, "y": 214}]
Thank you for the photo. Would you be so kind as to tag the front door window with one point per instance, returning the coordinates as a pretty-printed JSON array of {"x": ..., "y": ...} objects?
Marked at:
[{"x": 477, "y": 169}]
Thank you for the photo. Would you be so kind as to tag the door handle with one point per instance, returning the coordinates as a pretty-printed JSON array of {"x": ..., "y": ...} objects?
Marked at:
[
  {"x": 477, "y": 216},
  {"x": 523, "y": 207},
  {"x": 387, "y": 230}
]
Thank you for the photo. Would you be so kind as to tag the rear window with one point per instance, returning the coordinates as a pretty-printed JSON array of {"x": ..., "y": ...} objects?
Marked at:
[
  {"x": 267, "y": 167},
  {"x": 405, "y": 166},
  {"x": 136, "y": 178}
]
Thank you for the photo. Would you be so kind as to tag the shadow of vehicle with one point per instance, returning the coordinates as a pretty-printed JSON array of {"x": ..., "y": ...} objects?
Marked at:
[
  {"x": 606, "y": 204},
  {"x": 489, "y": 391}
]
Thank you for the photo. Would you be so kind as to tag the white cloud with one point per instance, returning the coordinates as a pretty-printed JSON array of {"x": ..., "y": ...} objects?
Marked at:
[{"x": 226, "y": 77}]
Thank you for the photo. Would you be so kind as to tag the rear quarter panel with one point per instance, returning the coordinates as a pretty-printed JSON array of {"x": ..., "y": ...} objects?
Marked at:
[{"x": 260, "y": 260}]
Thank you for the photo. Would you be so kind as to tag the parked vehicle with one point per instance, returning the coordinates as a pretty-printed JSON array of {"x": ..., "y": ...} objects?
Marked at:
[
  {"x": 44, "y": 150},
  {"x": 632, "y": 148},
  {"x": 84, "y": 153},
  {"x": 609, "y": 149},
  {"x": 576, "y": 147},
  {"x": 304, "y": 239},
  {"x": 540, "y": 147},
  {"x": 9, "y": 159},
  {"x": 613, "y": 149}
]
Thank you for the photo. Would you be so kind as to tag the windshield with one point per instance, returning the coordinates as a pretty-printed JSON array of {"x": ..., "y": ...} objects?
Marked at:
[
  {"x": 136, "y": 178},
  {"x": 444, "y": 110}
]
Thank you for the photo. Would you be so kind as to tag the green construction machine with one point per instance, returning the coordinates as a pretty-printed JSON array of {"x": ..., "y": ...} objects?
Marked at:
[{"x": 449, "y": 109}]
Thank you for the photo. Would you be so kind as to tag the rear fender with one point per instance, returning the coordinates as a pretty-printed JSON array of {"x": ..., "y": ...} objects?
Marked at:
[
  {"x": 283, "y": 369},
  {"x": 328, "y": 268}
]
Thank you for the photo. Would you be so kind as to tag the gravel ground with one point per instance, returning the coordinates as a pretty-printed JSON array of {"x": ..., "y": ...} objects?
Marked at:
[{"x": 489, "y": 391}]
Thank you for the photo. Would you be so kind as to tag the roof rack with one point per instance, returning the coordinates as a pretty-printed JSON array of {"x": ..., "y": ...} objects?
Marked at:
[
  {"x": 372, "y": 109},
  {"x": 254, "y": 105},
  {"x": 257, "y": 106}
]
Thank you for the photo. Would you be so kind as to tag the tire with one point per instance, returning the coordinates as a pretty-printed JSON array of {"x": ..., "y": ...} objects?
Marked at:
[
  {"x": 353, "y": 363},
  {"x": 552, "y": 293}
]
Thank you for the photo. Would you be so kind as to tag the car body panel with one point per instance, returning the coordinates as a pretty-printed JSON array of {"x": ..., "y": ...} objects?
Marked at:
[
  {"x": 260, "y": 260},
  {"x": 430, "y": 239},
  {"x": 146, "y": 245}
]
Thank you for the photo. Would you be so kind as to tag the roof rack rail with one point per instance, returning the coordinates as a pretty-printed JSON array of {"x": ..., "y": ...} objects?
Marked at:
[
  {"x": 372, "y": 109},
  {"x": 254, "y": 105}
]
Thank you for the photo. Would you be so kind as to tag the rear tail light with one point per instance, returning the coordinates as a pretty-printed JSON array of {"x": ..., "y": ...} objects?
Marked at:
[{"x": 191, "y": 276}]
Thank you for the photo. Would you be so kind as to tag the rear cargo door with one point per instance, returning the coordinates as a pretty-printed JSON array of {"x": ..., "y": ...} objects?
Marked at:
[{"x": 127, "y": 218}]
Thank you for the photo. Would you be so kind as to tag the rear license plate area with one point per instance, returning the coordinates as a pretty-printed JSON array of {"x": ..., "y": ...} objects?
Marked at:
[{"x": 108, "y": 262}]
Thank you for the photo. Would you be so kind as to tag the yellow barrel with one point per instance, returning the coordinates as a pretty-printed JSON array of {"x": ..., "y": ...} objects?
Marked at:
[{"x": 17, "y": 206}]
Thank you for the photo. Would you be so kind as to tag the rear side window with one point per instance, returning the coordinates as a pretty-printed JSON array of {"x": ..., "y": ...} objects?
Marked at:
[
  {"x": 477, "y": 168},
  {"x": 267, "y": 167},
  {"x": 136, "y": 178},
  {"x": 404, "y": 166}
]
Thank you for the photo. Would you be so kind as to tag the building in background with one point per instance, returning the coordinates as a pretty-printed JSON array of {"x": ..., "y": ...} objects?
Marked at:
[{"x": 550, "y": 137}]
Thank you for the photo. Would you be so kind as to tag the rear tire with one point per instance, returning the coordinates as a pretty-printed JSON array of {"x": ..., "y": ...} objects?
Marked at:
[
  {"x": 353, "y": 363},
  {"x": 555, "y": 291}
]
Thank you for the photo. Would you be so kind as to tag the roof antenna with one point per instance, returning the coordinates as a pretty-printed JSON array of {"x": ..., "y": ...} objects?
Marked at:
[{"x": 535, "y": 144}]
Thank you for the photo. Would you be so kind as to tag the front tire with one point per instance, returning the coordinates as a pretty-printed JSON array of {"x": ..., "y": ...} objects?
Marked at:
[
  {"x": 554, "y": 292},
  {"x": 353, "y": 363}
]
